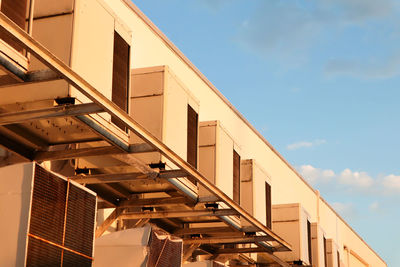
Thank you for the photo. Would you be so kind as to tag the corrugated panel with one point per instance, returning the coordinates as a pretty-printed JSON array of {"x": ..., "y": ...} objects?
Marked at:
[
  {"x": 16, "y": 11},
  {"x": 48, "y": 206},
  {"x": 164, "y": 252},
  {"x": 57, "y": 235},
  {"x": 236, "y": 177},
  {"x": 42, "y": 254},
  {"x": 120, "y": 81},
  {"x": 71, "y": 259},
  {"x": 268, "y": 205},
  {"x": 80, "y": 218}
]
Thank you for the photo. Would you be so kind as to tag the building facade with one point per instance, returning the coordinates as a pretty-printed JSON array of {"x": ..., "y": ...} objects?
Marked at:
[{"x": 95, "y": 92}]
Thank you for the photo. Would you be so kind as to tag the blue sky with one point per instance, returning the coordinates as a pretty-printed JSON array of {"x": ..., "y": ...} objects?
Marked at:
[{"x": 320, "y": 80}]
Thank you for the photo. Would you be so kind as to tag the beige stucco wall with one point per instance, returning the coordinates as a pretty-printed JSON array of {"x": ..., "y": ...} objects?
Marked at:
[{"x": 287, "y": 186}]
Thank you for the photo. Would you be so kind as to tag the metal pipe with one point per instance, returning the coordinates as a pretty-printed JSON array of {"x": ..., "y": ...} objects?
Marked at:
[{"x": 178, "y": 184}]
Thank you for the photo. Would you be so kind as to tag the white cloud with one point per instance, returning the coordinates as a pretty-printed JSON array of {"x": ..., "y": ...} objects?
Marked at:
[
  {"x": 372, "y": 68},
  {"x": 391, "y": 184},
  {"x": 349, "y": 181},
  {"x": 304, "y": 144},
  {"x": 359, "y": 180},
  {"x": 314, "y": 175},
  {"x": 289, "y": 31}
]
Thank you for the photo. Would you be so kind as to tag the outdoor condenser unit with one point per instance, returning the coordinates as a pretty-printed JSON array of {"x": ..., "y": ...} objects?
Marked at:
[
  {"x": 332, "y": 253},
  {"x": 255, "y": 191},
  {"x": 216, "y": 152},
  {"x": 87, "y": 36},
  {"x": 46, "y": 220},
  {"x": 138, "y": 247},
  {"x": 291, "y": 222},
  {"x": 318, "y": 245},
  {"x": 166, "y": 108}
]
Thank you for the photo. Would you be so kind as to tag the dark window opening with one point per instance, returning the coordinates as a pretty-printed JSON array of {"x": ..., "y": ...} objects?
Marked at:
[
  {"x": 192, "y": 137},
  {"x": 309, "y": 241},
  {"x": 120, "y": 81},
  {"x": 268, "y": 205},
  {"x": 16, "y": 11},
  {"x": 236, "y": 177},
  {"x": 338, "y": 258},
  {"x": 325, "y": 254}
]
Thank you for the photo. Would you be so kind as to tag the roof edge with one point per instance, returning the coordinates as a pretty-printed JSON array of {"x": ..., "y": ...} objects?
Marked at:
[{"x": 179, "y": 53}]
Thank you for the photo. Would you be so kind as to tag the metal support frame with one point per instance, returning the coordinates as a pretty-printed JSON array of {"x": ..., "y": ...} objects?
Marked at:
[{"x": 61, "y": 70}]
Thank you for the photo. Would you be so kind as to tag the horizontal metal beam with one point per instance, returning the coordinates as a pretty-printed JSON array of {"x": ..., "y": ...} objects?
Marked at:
[
  {"x": 47, "y": 113},
  {"x": 88, "y": 90},
  {"x": 176, "y": 214},
  {"x": 226, "y": 240},
  {"x": 206, "y": 230},
  {"x": 109, "y": 178},
  {"x": 29, "y": 78},
  {"x": 89, "y": 152},
  {"x": 234, "y": 251},
  {"x": 153, "y": 202}
]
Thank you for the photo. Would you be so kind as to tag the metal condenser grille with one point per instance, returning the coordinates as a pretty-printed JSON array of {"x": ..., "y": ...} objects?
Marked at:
[{"x": 62, "y": 223}]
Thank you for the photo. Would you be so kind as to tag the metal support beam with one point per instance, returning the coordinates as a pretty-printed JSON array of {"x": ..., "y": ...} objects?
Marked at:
[
  {"x": 225, "y": 240},
  {"x": 189, "y": 251},
  {"x": 205, "y": 230},
  {"x": 153, "y": 202},
  {"x": 29, "y": 78},
  {"x": 89, "y": 152},
  {"x": 176, "y": 214},
  {"x": 47, "y": 113},
  {"x": 88, "y": 90},
  {"x": 109, "y": 178},
  {"x": 107, "y": 222}
]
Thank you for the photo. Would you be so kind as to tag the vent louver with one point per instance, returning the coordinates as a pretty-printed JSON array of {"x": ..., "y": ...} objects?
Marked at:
[{"x": 62, "y": 222}]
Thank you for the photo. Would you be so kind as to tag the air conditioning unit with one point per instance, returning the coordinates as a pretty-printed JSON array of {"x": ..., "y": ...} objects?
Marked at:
[
  {"x": 47, "y": 220},
  {"x": 332, "y": 253},
  {"x": 11, "y": 51},
  {"x": 138, "y": 247},
  {"x": 318, "y": 245},
  {"x": 292, "y": 223},
  {"x": 163, "y": 105},
  {"x": 87, "y": 36},
  {"x": 218, "y": 160},
  {"x": 255, "y": 192}
]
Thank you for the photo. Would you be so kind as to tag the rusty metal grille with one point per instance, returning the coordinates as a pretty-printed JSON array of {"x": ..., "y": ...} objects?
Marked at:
[
  {"x": 62, "y": 223},
  {"x": 48, "y": 206},
  {"x": 71, "y": 259},
  {"x": 217, "y": 264},
  {"x": 42, "y": 254},
  {"x": 80, "y": 217},
  {"x": 164, "y": 252}
]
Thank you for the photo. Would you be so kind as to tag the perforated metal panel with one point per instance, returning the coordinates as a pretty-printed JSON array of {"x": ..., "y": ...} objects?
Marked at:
[
  {"x": 79, "y": 222},
  {"x": 41, "y": 254},
  {"x": 61, "y": 224},
  {"x": 164, "y": 252},
  {"x": 48, "y": 206}
]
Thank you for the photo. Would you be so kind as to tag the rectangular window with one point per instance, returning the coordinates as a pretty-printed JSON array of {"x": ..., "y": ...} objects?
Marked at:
[
  {"x": 236, "y": 177},
  {"x": 121, "y": 72},
  {"x": 16, "y": 11},
  {"x": 309, "y": 241},
  {"x": 268, "y": 205},
  {"x": 338, "y": 258}
]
